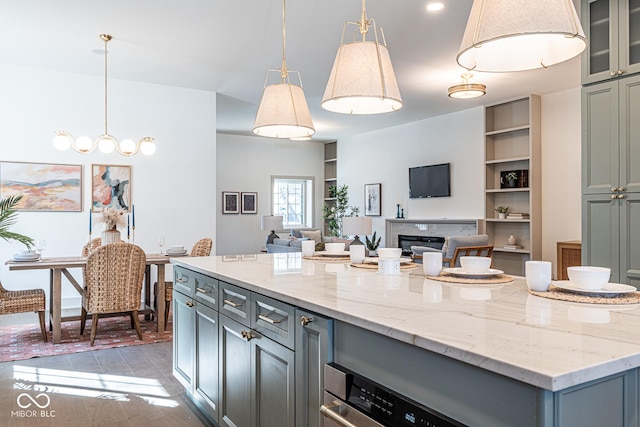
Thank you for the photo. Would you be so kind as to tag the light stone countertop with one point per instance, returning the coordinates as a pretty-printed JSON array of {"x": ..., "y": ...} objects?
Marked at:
[{"x": 501, "y": 328}]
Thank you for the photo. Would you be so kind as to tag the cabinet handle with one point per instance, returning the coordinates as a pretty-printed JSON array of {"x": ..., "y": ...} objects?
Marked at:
[
  {"x": 304, "y": 320},
  {"x": 203, "y": 290},
  {"x": 327, "y": 412},
  {"x": 268, "y": 319},
  {"x": 233, "y": 304},
  {"x": 614, "y": 196},
  {"x": 622, "y": 189},
  {"x": 621, "y": 196},
  {"x": 614, "y": 189},
  {"x": 248, "y": 335},
  {"x": 182, "y": 279},
  {"x": 620, "y": 72},
  {"x": 190, "y": 304},
  {"x": 613, "y": 73}
]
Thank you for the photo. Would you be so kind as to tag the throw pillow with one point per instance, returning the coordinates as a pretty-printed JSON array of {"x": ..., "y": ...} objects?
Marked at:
[{"x": 313, "y": 235}]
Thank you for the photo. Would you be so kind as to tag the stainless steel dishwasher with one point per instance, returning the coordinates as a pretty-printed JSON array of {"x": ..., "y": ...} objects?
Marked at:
[{"x": 351, "y": 400}]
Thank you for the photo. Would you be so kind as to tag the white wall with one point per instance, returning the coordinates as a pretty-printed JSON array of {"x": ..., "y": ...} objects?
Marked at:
[
  {"x": 561, "y": 166},
  {"x": 247, "y": 163},
  {"x": 385, "y": 157},
  {"x": 173, "y": 190}
]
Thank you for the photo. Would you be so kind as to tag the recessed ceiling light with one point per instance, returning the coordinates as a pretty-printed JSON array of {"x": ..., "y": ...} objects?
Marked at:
[{"x": 435, "y": 6}]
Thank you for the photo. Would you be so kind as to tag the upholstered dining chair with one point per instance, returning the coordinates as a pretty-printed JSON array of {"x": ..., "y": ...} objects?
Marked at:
[
  {"x": 12, "y": 302},
  {"x": 201, "y": 248},
  {"x": 456, "y": 246},
  {"x": 113, "y": 284}
]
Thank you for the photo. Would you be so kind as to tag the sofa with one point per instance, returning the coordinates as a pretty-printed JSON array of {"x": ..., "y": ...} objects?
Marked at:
[{"x": 297, "y": 236}]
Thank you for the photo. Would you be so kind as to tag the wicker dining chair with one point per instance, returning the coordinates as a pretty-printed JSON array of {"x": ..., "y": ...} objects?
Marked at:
[
  {"x": 12, "y": 302},
  {"x": 91, "y": 246},
  {"x": 201, "y": 248},
  {"x": 113, "y": 284}
]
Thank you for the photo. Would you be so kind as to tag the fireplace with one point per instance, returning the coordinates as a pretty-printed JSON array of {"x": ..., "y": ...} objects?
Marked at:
[{"x": 405, "y": 242}]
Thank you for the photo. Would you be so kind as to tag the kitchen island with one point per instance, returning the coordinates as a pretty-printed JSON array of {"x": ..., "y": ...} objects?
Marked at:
[{"x": 481, "y": 354}]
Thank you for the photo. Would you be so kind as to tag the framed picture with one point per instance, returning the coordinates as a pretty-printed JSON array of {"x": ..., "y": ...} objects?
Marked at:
[
  {"x": 249, "y": 203},
  {"x": 372, "y": 197},
  {"x": 110, "y": 187},
  {"x": 45, "y": 187},
  {"x": 230, "y": 202}
]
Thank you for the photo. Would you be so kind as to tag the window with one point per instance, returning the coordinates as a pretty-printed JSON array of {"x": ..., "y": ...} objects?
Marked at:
[{"x": 293, "y": 199}]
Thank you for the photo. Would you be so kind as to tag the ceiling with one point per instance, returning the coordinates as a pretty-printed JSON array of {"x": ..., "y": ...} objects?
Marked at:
[{"x": 227, "y": 46}]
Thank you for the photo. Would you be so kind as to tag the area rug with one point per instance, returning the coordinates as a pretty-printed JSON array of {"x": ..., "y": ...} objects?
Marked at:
[{"x": 25, "y": 341}]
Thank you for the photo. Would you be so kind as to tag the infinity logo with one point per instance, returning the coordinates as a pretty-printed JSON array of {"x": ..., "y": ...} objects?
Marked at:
[{"x": 22, "y": 396}]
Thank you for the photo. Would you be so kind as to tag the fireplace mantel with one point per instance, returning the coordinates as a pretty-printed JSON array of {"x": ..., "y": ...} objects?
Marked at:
[{"x": 428, "y": 227}]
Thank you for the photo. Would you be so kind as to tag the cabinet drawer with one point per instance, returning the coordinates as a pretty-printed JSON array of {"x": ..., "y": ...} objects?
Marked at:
[
  {"x": 273, "y": 319},
  {"x": 206, "y": 290},
  {"x": 235, "y": 302},
  {"x": 184, "y": 281}
]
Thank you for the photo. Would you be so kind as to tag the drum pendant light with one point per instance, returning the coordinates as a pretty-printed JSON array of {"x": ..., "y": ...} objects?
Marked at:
[{"x": 518, "y": 35}]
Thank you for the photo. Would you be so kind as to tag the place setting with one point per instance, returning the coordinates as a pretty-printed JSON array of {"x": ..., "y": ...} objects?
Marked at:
[
  {"x": 388, "y": 261},
  {"x": 586, "y": 284},
  {"x": 176, "y": 251},
  {"x": 26, "y": 256},
  {"x": 473, "y": 269},
  {"x": 332, "y": 251}
]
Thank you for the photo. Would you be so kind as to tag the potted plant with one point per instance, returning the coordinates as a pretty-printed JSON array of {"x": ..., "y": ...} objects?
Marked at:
[
  {"x": 372, "y": 245},
  {"x": 8, "y": 217},
  {"x": 511, "y": 179},
  {"x": 340, "y": 208},
  {"x": 502, "y": 211}
]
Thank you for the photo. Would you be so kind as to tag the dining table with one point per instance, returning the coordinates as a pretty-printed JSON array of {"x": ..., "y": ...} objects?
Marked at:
[{"x": 60, "y": 266}]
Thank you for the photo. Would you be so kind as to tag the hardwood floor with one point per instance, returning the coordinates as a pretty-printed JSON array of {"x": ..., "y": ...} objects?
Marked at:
[{"x": 129, "y": 386}]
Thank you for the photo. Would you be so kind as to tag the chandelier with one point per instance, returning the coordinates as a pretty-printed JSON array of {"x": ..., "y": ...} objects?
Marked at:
[
  {"x": 362, "y": 80},
  {"x": 105, "y": 143},
  {"x": 283, "y": 111}
]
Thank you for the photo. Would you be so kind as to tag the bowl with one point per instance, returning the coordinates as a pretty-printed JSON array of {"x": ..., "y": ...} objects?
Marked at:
[
  {"x": 589, "y": 278},
  {"x": 26, "y": 253},
  {"x": 475, "y": 264},
  {"x": 334, "y": 248},
  {"x": 389, "y": 253}
]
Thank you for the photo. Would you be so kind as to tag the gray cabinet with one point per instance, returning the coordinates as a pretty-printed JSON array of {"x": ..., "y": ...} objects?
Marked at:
[
  {"x": 183, "y": 339},
  {"x": 235, "y": 374},
  {"x": 610, "y": 177},
  {"x": 314, "y": 338},
  {"x": 613, "y": 30},
  {"x": 195, "y": 338}
]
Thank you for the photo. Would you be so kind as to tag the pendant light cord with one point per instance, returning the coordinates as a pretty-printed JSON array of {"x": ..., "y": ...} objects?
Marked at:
[
  {"x": 364, "y": 22},
  {"x": 283, "y": 71},
  {"x": 106, "y": 38}
]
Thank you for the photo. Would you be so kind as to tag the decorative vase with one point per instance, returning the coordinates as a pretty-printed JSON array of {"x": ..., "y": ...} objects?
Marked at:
[
  {"x": 511, "y": 240},
  {"x": 502, "y": 215},
  {"x": 110, "y": 236}
]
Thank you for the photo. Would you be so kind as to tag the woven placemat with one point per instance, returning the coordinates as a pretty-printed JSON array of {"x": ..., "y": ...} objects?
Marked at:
[
  {"x": 372, "y": 266},
  {"x": 450, "y": 278},
  {"x": 328, "y": 258},
  {"x": 555, "y": 292}
]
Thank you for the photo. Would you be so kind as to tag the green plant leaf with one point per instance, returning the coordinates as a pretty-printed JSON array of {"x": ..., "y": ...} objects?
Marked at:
[{"x": 8, "y": 217}]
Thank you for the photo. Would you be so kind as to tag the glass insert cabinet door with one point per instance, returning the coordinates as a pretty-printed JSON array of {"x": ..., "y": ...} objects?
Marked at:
[{"x": 613, "y": 30}]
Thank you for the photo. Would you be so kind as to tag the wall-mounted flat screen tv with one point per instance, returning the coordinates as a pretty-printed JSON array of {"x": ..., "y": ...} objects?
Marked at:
[{"x": 429, "y": 181}]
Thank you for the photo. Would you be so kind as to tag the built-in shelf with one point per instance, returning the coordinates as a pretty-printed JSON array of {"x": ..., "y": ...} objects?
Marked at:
[
  {"x": 507, "y": 130},
  {"x": 330, "y": 173},
  {"x": 512, "y": 143},
  {"x": 509, "y": 160}
]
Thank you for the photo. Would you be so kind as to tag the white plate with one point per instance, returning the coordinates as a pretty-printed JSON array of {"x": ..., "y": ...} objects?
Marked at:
[
  {"x": 325, "y": 253},
  {"x": 176, "y": 252},
  {"x": 458, "y": 271},
  {"x": 371, "y": 260},
  {"x": 26, "y": 258},
  {"x": 609, "y": 288}
]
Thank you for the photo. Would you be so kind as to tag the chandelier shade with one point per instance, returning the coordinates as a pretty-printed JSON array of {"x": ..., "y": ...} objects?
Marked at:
[
  {"x": 519, "y": 35},
  {"x": 283, "y": 111},
  {"x": 362, "y": 80},
  {"x": 105, "y": 142}
]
